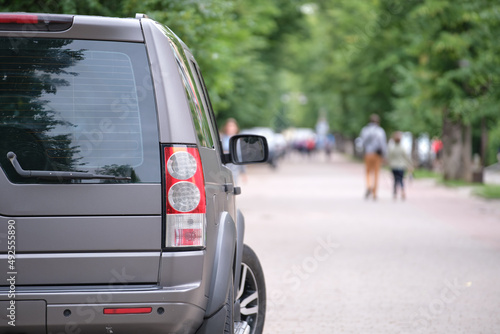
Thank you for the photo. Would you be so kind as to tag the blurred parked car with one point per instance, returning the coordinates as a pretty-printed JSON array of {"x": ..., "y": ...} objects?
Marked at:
[{"x": 303, "y": 139}]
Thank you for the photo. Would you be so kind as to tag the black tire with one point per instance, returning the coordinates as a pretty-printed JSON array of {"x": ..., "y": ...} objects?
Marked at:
[{"x": 252, "y": 291}]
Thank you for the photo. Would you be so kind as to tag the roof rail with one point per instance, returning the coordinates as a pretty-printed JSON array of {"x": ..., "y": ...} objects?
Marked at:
[{"x": 141, "y": 16}]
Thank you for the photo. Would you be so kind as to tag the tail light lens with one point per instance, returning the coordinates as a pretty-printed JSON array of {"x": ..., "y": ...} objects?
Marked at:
[{"x": 185, "y": 197}]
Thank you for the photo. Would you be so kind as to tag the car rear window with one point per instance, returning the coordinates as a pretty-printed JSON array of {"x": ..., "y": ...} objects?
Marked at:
[{"x": 78, "y": 105}]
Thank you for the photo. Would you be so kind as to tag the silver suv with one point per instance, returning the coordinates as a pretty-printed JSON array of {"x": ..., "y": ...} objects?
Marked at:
[{"x": 117, "y": 210}]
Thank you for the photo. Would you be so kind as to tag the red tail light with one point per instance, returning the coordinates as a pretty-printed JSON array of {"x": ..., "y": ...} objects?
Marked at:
[{"x": 185, "y": 197}]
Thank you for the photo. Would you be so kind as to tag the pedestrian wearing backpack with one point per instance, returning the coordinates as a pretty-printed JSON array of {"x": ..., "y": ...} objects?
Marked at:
[{"x": 375, "y": 148}]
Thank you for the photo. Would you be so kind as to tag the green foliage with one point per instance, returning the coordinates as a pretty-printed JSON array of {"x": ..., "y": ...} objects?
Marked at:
[
  {"x": 406, "y": 60},
  {"x": 233, "y": 43},
  {"x": 238, "y": 44},
  {"x": 286, "y": 62}
]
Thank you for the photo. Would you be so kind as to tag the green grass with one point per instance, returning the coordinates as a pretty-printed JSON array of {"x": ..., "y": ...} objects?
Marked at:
[
  {"x": 423, "y": 173},
  {"x": 457, "y": 183},
  {"x": 488, "y": 191}
]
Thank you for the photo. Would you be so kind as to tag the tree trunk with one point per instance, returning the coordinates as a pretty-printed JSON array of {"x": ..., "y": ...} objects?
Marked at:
[
  {"x": 467, "y": 153},
  {"x": 414, "y": 150},
  {"x": 457, "y": 149},
  {"x": 484, "y": 142}
]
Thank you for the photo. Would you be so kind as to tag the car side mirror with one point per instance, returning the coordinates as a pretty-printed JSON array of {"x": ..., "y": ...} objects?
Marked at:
[{"x": 247, "y": 149}]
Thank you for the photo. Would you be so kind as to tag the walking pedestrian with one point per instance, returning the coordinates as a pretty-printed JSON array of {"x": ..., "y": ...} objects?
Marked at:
[
  {"x": 375, "y": 148},
  {"x": 399, "y": 161}
]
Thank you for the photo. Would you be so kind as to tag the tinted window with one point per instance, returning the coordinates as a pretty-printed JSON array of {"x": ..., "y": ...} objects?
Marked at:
[
  {"x": 210, "y": 114},
  {"x": 72, "y": 105},
  {"x": 198, "y": 112}
]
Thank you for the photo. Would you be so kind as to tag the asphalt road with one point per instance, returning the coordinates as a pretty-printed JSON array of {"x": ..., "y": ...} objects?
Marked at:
[{"x": 336, "y": 263}]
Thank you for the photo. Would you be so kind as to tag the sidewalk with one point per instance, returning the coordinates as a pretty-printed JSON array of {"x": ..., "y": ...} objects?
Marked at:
[
  {"x": 478, "y": 217},
  {"x": 337, "y": 263}
]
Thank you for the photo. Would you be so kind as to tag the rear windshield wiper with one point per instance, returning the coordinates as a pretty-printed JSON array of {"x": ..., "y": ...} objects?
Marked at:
[{"x": 52, "y": 175}]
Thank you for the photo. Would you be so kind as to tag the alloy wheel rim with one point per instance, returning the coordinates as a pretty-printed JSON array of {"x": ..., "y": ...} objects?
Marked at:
[{"x": 248, "y": 296}]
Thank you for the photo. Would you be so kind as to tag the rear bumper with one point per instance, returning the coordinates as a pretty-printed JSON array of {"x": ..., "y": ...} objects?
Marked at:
[
  {"x": 164, "y": 318},
  {"x": 177, "y": 303},
  {"x": 38, "y": 311}
]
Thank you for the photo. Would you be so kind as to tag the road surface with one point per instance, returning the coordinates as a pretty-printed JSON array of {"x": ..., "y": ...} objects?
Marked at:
[{"x": 337, "y": 263}]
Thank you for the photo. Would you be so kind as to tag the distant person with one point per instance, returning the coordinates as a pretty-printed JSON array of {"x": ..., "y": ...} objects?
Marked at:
[
  {"x": 375, "y": 147},
  {"x": 437, "y": 149},
  {"x": 310, "y": 146},
  {"x": 399, "y": 162},
  {"x": 230, "y": 129},
  {"x": 329, "y": 145}
]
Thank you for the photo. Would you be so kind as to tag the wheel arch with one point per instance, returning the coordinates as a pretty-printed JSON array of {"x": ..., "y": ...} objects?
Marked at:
[
  {"x": 240, "y": 229},
  {"x": 222, "y": 273}
]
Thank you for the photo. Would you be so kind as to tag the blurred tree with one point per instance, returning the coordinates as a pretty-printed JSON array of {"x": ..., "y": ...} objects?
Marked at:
[
  {"x": 237, "y": 46},
  {"x": 336, "y": 63},
  {"x": 424, "y": 65},
  {"x": 454, "y": 76}
]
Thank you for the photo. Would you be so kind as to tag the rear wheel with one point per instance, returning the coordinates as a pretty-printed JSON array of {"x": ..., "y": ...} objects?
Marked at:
[{"x": 252, "y": 291}]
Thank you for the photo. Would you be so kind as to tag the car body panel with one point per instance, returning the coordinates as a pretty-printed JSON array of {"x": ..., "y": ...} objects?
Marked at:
[
  {"x": 84, "y": 234},
  {"x": 78, "y": 199},
  {"x": 66, "y": 268}
]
